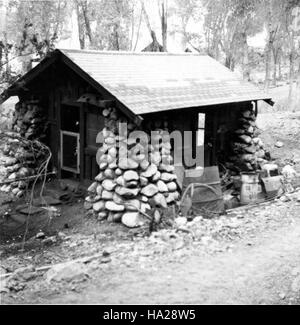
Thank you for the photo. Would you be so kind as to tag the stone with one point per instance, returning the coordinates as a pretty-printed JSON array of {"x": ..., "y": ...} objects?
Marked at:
[
  {"x": 112, "y": 206},
  {"x": 121, "y": 181},
  {"x": 106, "y": 195},
  {"x": 113, "y": 152},
  {"x": 143, "y": 181},
  {"x": 172, "y": 197},
  {"x": 132, "y": 184},
  {"x": 118, "y": 199},
  {"x": 168, "y": 177},
  {"x": 40, "y": 235},
  {"x": 87, "y": 205},
  {"x": 144, "y": 165},
  {"x": 131, "y": 175},
  {"x": 93, "y": 188},
  {"x": 144, "y": 198},
  {"x": 100, "y": 177},
  {"x": 145, "y": 207},
  {"x": 109, "y": 185},
  {"x": 102, "y": 215},
  {"x": 99, "y": 206},
  {"x": 115, "y": 217},
  {"x": 149, "y": 190},
  {"x": 118, "y": 172},
  {"x": 99, "y": 190},
  {"x": 180, "y": 221},
  {"x": 133, "y": 205},
  {"x": 172, "y": 186},
  {"x": 127, "y": 192},
  {"x": 160, "y": 200},
  {"x": 162, "y": 187},
  {"x": 156, "y": 176},
  {"x": 279, "y": 144},
  {"x": 132, "y": 219},
  {"x": 128, "y": 164},
  {"x": 103, "y": 166},
  {"x": 109, "y": 173},
  {"x": 155, "y": 158},
  {"x": 67, "y": 272},
  {"x": 151, "y": 171}
]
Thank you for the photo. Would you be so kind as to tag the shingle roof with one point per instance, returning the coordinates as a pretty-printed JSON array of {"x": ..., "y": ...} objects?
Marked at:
[{"x": 152, "y": 82}]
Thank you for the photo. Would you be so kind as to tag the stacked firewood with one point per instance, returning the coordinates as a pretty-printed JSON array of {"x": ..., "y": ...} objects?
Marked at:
[
  {"x": 29, "y": 120},
  {"x": 247, "y": 149},
  {"x": 19, "y": 160},
  {"x": 134, "y": 176}
]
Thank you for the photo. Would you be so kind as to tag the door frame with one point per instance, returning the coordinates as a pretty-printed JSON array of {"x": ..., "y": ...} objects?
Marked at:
[{"x": 62, "y": 167}]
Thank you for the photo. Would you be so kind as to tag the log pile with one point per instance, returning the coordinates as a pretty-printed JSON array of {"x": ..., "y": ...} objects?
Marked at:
[
  {"x": 134, "y": 176},
  {"x": 29, "y": 120},
  {"x": 247, "y": 149}
]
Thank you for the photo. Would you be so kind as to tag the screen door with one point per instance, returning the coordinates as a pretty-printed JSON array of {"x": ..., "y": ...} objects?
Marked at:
[{"x": 69, "y": 151}]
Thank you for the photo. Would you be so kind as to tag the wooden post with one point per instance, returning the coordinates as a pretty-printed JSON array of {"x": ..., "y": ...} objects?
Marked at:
[{"x": 82, "y": 123}]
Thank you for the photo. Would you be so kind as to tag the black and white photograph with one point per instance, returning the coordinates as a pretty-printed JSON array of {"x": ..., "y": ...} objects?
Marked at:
[{"x": 149, "y": 155}]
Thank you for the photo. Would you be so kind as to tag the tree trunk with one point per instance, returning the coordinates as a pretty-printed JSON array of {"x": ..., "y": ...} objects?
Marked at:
[
  {"x": 246, "y": 71},
  {"x": 164, "y": 25},
  {"x": 87, "y": 22},
  {"x": 81, "y": 32},
  {"x": 275, "y": 56},
  {"x": 291, "y": 80}
]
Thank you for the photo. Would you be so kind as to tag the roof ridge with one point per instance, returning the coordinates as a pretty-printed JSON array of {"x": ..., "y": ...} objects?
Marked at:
[{"x": 131, "y": 53}]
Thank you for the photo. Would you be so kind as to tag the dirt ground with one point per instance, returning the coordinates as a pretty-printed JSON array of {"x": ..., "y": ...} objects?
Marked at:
[{"x": 249, "y": 256}]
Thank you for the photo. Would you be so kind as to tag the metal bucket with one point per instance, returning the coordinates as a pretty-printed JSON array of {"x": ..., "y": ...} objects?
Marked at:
[{"x": 250, "y": 187}]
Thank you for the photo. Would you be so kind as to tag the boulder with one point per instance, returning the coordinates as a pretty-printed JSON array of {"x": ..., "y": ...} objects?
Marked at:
[
  {"x": 156, "y": 177},
  {"x": 106, "y": 195},
  {"x": 149, "y": 190},
  {"x": 118, "y": 172},
  {"x": 115, "y": 217},
  {"x": 121, "y": 181},
  {"x": 131, "y": 175},
  {"x": 162, "y": 187},
  {"x": 128, "y": 164},
  {"x": 144, "y": 165},
  {"x": 166, "y": 168},
  {"x": 127, "y": 192},
  {"x": 168, "y": 177},
  {"x": 143, "y": 181},
  {"x": 93, "y": 188},
  {"x": 100, "y": 177},
  {"x": 109, "y": 173},
  {"x": 172, "y": 197},
  {"x": 132, "y": 219},
  {"x": 109, "y": 185},
  {"x": 133, "y": 205},
  {"x": 160, "y": 200},
  {"x": 150, "y": 171},
  {"x": 99, "y": 190},
  {"x": 172, "y": 186},
  {"x": 112, "y": 206},
  {"x": 99, "y": 206}
]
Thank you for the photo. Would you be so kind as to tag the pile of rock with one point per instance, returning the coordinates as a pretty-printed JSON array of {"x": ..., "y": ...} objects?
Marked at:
[
  {"x": 29, "y": 120},
  {"x": 19, "y": 159},
  {"x": 134, "y": 176},
  {"x": 247, "y": 152}
]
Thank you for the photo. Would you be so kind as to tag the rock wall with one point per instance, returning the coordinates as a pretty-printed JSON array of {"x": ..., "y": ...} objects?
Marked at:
[
  {"x": 20, "y": 154},
  {"x": 134, "y": 175},
  {"x": 29, "y": 120},
  {"x": 247, "y": 149}
]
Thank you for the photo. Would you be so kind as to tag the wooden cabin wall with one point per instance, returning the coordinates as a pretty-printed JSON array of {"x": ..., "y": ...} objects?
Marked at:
[
  {"x": 220, "y": 122},
  {"x": 55, "y": 87}
]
